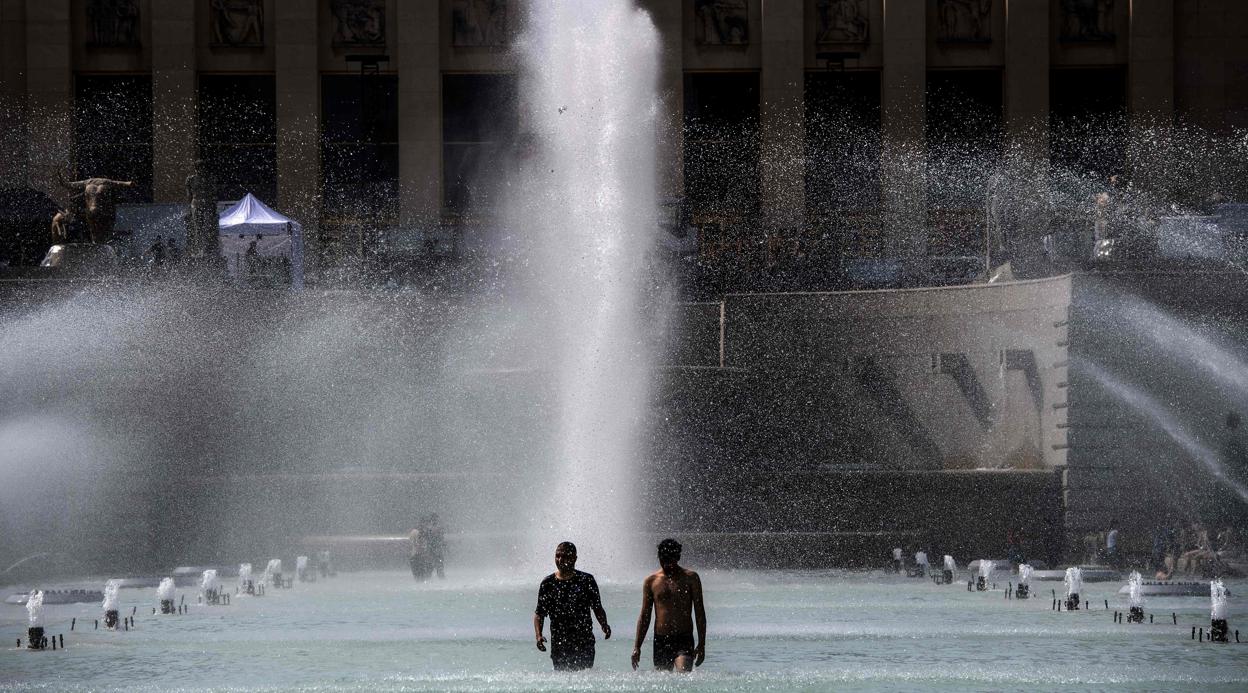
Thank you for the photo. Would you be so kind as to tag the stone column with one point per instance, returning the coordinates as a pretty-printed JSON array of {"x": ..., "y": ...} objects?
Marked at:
[
  {"x": 668, "y": 20},
  {"x": 1150, "y": 90},
  {"x": 1150, "y": 74},
  {"x": 298, "y": 86},
  {"x": 174, "y": 98},
  {"x": 902, "y": 115},
  {"x": 420, "y": 115},
  {"x": 13, "y": 138},
  {"x": 1027, "y": 75},
  {"x": 49, "y": 94},
  {"x": 783, "y": 124}
]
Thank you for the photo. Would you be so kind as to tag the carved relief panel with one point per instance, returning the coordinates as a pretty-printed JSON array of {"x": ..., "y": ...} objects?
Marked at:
[
  {"x": 964, "y": 21},
  {"x": 112, "y": 23},
  {"x": 359, "y": 22},
  {"x": 237, "y": 22},
  {"x": 842, "y": 21},
  {"x": 721, "y": 22},
  {"x": 479, "y": 23},
  {"x": 1088, "y": 21}
]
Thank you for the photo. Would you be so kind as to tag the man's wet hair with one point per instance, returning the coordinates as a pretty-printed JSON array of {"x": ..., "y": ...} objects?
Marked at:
[
  {"x": 669, "y": 548},
  {"x": 566, "y": 547}
]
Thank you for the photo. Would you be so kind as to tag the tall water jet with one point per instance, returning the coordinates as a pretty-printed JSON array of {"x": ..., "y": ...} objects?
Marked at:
[
  {"x": 1217, "y": 625},
  {"x": 112, "y": 601},
  {"x": 35, "y": 638},
  {"x": 921, "y": 565},
  {"x": 588, "y": 206},
  {"x": 1074, "y": 585},
  {"x": 1135, "y": 597},
  {"x": 246, "y": 583},
  {"x": 1024, "y": 582},
  {"x": 165, "y": 593},
  {"x": 273, "y": 573},
  {"x": 950, "y": 567},
  {"x": 301, "y": 570},
  {"x": 210, "y": 587},
  {"x": 985, "y": 572}
]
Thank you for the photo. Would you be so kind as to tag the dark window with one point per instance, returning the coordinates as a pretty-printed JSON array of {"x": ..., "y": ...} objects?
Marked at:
[
  {"x": 479, "y": 125},
  {"x": 359, "y": 148},
  {"x": 843, "y": 153},
  {"x": 238, "y": 134},
  {"x": 965, "y": 135},
  {"x": 1088, "y": 119},
  {"x": 113, "y": 131},
  {"x": 722, "y": 143}
]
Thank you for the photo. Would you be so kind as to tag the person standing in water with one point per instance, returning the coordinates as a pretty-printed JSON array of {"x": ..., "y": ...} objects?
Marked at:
[
  {"x": 675, "y": 595},
  {"x": 568, "y": 596}
]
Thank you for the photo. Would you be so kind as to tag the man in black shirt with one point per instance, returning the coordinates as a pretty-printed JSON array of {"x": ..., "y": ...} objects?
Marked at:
[{"x": 567, "y": 596}]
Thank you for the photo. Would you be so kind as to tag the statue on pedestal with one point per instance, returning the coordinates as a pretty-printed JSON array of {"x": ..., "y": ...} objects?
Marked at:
[{"x": 93, "y": 205}]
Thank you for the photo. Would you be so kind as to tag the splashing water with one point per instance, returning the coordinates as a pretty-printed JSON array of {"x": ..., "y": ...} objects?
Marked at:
[
  {"x": 589, "y": 206},
  {"x": 985, "y": 568},
  {"x": 166, "y": 591},
  {"x": 949, "y": 564},
  {"x": 896, "y": 554},
  {"x": 1150, "y": 407},
  {"x": 1074, "y": 581},
  {"x": 1217, "y": 595},
  {"x": 920, "y": 558},
  {"x": 209, "y": 581},
  {"x": 301, "y": 565},
  {"x": 273, "y": 569},
  {"x": 34, "y": 608},
  {"x": 112, "y": 595},
  {"x": 1024, "y": 574},
  {"x": 1135, "y": 590},
  {"x": 244, "y": 573}
]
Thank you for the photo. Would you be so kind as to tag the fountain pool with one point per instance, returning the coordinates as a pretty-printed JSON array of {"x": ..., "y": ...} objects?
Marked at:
[{"x": 776, "y": 631}]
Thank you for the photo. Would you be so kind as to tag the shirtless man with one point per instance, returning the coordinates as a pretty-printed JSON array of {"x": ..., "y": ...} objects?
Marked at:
[
  {"x": 673, "y": 592},
  {"x": 99, "y": 207}
]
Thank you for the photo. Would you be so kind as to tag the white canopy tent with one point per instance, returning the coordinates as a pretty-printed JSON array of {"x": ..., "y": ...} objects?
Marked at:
[{"x": 274, "y": 235}]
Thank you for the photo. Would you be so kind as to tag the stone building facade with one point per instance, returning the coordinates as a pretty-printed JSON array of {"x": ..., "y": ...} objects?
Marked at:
[{"x": 283, "y": 96}]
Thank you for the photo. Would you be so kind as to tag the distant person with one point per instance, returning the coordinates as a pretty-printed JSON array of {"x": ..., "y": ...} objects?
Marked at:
[
  {"x": 1111, "y": 544},
  {"x": 157, "y": 251},
  {"x": 675, "y": 595},
  {"x": 568, "y": 596},
  {"x": 419, "y": 556},
  {"x": 436, "y": 544}
]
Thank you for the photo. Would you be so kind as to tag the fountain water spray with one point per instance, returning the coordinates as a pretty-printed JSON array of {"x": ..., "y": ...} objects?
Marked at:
[
  {"x": 1135, "y": 597},
  {"x": 323, "y": 564},
  {"x": 245, "y": 582},
  {"x": 210, "y": 587},
  {"x": 1024, "y": 582},
  {"x": 35, "y": 638},
  {"x": 897, "y": 560},
  {"x": 950, "y": 567},
  {"x": 112, "y": 600},
  {"x": 920, "y": 564},
  {"x": 985, "y": 572},
  {"x": 273, "y": 573},
  {"x": 165, "y": 593},
  {"x": 1218, "y": 628},
  {"x": 588, "y": 206},
  {"x": 1074, "y": 585},
  {"x": 301, "y": 569}
]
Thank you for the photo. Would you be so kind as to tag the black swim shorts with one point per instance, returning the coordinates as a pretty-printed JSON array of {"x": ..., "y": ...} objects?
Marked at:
[
  {"x": 668, "y": 647},
  {"x": 573, "y": 657}
]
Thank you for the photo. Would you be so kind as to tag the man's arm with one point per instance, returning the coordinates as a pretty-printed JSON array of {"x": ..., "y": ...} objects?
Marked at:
[
  {"x": 643, "y": 620},
  {"x": 538, "y": 620},
  {"x": 600, "y": 613},
  {"x": 120, "y": 183},
  {"x": 699, "y": 616}
]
